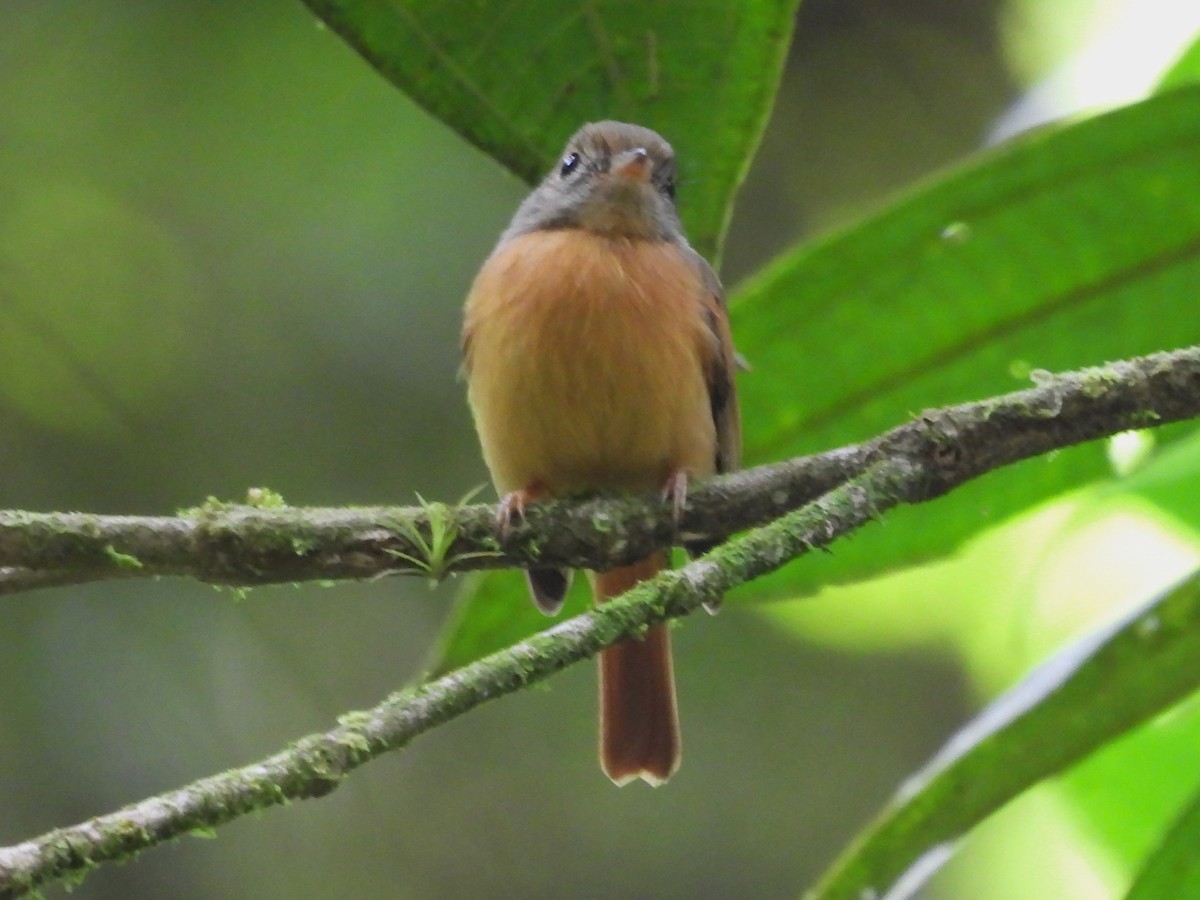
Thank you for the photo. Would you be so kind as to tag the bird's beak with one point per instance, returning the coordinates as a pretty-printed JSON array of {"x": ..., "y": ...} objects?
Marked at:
[{"x": 633, "y": 164}]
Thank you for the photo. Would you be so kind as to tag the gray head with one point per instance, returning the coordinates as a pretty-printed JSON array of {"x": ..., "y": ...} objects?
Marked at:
[{"x": 613, "y": 179}]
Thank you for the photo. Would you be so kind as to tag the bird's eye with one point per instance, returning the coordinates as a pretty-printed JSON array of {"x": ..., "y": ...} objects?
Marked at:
[{"x": 569, "y": 163}]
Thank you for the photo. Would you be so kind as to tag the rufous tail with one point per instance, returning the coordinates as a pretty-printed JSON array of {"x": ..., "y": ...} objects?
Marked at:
[{"x": 639, "y": 724}]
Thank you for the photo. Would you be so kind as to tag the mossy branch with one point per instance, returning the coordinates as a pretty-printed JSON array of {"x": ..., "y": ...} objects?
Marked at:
[
  {"x": 918, "y": 461},
  {"x": 315, "y": 765},
  {"x": 264, "y": 541}
]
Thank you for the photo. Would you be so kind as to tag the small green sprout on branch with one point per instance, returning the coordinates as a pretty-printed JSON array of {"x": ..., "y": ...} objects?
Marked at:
[{"x": 435, "y": 559}]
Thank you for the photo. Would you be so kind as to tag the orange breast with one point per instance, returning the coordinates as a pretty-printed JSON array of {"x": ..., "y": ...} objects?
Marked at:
[{"x": 586, "y": 358}]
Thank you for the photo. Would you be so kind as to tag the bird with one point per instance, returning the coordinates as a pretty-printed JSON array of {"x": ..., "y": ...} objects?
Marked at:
[{"x": 598, "y": 356}]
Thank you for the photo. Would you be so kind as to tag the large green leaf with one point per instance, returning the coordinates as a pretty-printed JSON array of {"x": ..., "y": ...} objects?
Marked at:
[
  {"x": 1127, "y": 795},
  {"x": 1067, "y": 248},
  {"x": 1171, "y": 480},
  {"x": 1185, "y": 70},
  {"x": 494, "y": 610},
  {"x": 516, "y": 78},
  {"x": 1173, "y": 870},
  {"x": 1076, "y": 702}
]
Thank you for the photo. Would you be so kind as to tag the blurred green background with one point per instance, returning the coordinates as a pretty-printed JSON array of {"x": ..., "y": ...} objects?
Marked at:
[{"x": 231, "y": 255}]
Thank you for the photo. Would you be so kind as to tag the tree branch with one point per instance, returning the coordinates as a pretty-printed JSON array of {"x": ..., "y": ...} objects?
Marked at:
[
  {"x": 315, "y": 765},
  {"x": 233, "y": 544},
  {"x": 924, "y": 459}
]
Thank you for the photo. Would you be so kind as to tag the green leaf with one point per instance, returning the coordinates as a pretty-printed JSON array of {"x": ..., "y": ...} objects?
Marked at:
[
  {"x": 1185, "y": 70},
  {"x": 1173, "y": 870},
  {"x": 1127, "y": 795},
  {"x": 494, "y": 610},
  {"x": 1171, "y": 479},
  {"x": 517, "y": 79},
  {"x": 1067, "y": 248},
  {"x": 1078, "y": 701}
]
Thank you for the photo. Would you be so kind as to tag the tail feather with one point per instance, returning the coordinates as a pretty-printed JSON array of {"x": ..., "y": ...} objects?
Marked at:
[{"x": 639, "y": 723}]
